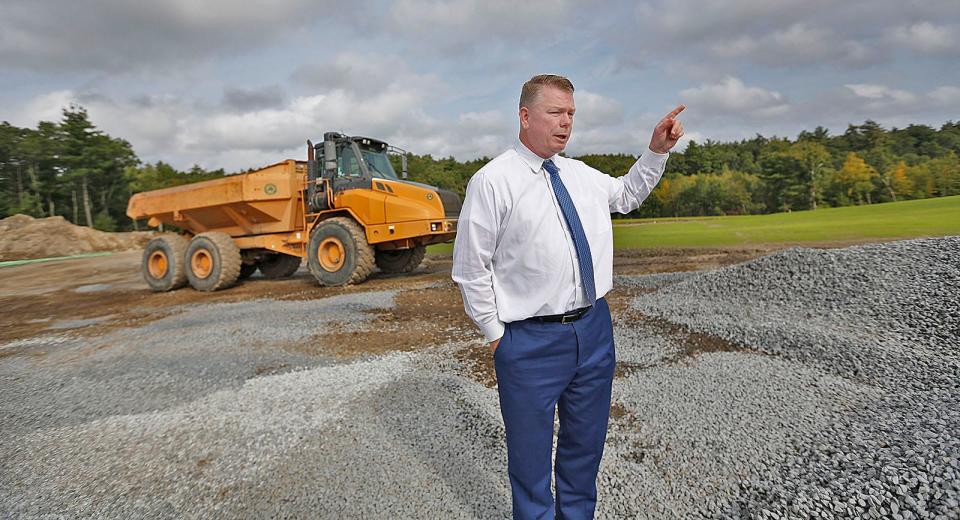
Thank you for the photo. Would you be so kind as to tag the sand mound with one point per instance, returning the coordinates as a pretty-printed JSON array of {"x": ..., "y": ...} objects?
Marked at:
[{"x": 23, "y": 237}]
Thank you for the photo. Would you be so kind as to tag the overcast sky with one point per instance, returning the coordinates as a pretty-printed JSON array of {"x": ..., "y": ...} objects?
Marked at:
[{"x": 242, "y": 84}]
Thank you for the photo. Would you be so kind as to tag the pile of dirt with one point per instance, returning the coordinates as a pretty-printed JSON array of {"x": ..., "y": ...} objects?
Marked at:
[{"x": 24, "y": 237}]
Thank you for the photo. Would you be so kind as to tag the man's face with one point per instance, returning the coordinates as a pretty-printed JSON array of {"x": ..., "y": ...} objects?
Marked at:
[{"x": 546, "y": 125}]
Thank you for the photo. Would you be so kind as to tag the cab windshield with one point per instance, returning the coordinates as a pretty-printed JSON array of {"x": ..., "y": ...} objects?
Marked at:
[{"x": 379, "y": 164}]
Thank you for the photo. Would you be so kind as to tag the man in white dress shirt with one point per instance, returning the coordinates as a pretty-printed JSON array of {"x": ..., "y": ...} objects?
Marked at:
[{"x": 534, "y": 258}]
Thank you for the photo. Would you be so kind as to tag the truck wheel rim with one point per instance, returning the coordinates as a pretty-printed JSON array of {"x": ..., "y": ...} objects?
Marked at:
[
  {"x": 201, "y": 263},
  {"x": 157, "y": 264},
  {"x": 331, "y": 254}
]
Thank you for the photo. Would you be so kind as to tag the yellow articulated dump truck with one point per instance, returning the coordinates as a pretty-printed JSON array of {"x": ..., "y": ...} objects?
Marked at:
[{"x": 344, "y": 209}]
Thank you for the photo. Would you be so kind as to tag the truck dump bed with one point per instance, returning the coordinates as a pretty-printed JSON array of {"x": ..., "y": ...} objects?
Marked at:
[{"x": 265, "y": 201}]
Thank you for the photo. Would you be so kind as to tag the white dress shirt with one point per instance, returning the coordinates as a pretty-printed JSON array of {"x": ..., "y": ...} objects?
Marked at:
[{"x": 513, "y": 256}]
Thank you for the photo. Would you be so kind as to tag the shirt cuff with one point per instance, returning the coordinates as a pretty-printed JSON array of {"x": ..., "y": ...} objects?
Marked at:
[
  {"x": 654, "y": 159},
  {"x": 492, "y": 331}
]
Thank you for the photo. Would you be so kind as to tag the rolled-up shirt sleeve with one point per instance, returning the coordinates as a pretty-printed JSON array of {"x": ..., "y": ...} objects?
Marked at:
[
  {"x": 628, "y": 192},
  {"x": 473, "y": 255}
]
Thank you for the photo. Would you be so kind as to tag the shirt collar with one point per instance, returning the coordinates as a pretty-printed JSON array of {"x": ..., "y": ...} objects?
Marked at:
[{"x": 534, "y": 161}]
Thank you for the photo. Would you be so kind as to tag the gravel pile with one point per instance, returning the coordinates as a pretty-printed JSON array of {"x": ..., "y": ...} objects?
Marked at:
[
  {"x": 196, "y": 350},
  {"x": 193, "y": 460},
  {"x": 867, "y": 313},
  {"x": 686, "y": 434},
  {"x": 884, "y": 317},
  {"x": 402, "y": 436}
]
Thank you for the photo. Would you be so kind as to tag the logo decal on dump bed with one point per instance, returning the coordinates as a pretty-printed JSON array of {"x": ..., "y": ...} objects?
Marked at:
[{"x": 270, "y": 189}]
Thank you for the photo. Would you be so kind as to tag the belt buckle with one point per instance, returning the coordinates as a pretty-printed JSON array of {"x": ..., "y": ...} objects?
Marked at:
[{"x": 568, "y": 318}]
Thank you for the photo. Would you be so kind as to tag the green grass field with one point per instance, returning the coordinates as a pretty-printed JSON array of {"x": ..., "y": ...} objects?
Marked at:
[{"x": 907, "y": 219}]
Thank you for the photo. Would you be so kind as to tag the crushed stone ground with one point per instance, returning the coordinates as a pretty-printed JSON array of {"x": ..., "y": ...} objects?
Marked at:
[{"x": 806, "y": 383}]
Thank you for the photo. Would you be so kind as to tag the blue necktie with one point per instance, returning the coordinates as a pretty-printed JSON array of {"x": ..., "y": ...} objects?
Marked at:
[{"x": 576, "y": 230}]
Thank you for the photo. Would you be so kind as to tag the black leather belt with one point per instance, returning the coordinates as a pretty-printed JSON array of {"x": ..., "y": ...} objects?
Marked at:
[{"x": 563, "y": 318}]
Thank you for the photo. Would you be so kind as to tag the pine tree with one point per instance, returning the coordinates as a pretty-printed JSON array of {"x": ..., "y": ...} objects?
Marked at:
[{"x": 95, "y": 163}]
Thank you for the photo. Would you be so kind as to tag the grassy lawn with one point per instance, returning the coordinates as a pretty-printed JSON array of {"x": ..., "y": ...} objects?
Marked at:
[{"x": 907, "y": 219}]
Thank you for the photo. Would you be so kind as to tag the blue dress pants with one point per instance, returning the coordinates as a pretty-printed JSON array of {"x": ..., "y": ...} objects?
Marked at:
[{"x": 540, "y": 366}]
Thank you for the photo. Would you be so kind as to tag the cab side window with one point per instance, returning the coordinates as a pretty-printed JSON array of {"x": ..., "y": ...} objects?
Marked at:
[{"x": 347, "y": 165}]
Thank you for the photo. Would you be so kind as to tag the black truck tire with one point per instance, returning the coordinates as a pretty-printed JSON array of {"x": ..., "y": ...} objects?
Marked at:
[
  {"x": 213, "y": 261},
  {"x": 163, "y": 264},
  {"x": 279, "y": 266},
  {"x": 338, "y": 252},
  {"x": 400, "y": 260},
  {"x": 246, "y": 271}
]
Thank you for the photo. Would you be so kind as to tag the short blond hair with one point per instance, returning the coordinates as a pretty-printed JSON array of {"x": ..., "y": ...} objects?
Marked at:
[{"x": 534, "y": 85}]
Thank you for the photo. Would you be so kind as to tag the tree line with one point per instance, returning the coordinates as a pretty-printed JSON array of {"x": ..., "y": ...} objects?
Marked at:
[
  {"x": 866, "y": 164},
  {"x": 72, "y": 169}
]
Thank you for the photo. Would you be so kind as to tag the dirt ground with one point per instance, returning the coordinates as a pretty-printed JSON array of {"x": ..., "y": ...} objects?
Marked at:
[{"x": 92, "y": 296}]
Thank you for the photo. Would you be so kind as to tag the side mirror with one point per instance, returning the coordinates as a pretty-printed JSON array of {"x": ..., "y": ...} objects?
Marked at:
[
  {"x": 330, "y": 158},
  {"x": 403, "y": 165}
]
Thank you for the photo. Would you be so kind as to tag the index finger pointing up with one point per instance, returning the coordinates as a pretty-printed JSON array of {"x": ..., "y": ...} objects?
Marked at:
[{"x": 675, "y": 111}]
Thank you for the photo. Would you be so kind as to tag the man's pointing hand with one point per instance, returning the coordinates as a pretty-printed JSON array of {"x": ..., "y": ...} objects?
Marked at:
[{"x": 667, "y": 131}]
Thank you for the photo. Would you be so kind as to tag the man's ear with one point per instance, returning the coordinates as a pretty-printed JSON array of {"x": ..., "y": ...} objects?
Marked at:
[{"x": 524, "y": 117}]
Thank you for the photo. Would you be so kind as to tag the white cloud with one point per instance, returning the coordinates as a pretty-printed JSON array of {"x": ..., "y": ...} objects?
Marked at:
[
  {"x": 488, "y": 120},
  {"x": 475, "y": 134},
  {"x": 455, "y": 26},
  {"x": 703, "y": 20},
  {"x": 797, "y": 44},
  {"x": 779, "y": 33},
  {"x": 117, "y": 35},
  {"x": 218, "y": 13},
  {"x": 151, "y": 124},
  {"x": 383, "y": 115},
  {"x": 734, "y": 48},
  {"x": 877, "y": 101},
  {"x": 882, "y": 93},
  {"x": 800, "y": 37},
  {"x": 947, "y": 95},
  {"x": 619, "y": 139},
  {"x": 925, "y": 37},
  {"x": 364, "y": 73},
  {"x": 472, "y": 17},
  {"x": 687, "y": 137},
  {"x": 215, "y": 135},
  {"x": 616, "y": 129},
  {"x": 853, "y": 103},
  {"x": 595, "y": 110},
  {"x": 45, "y": 107},
  {"x": 732, "y": 97}
]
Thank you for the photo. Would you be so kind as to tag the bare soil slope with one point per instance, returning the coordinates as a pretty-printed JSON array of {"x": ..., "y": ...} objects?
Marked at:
[{"x": 24, "y": 237}]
